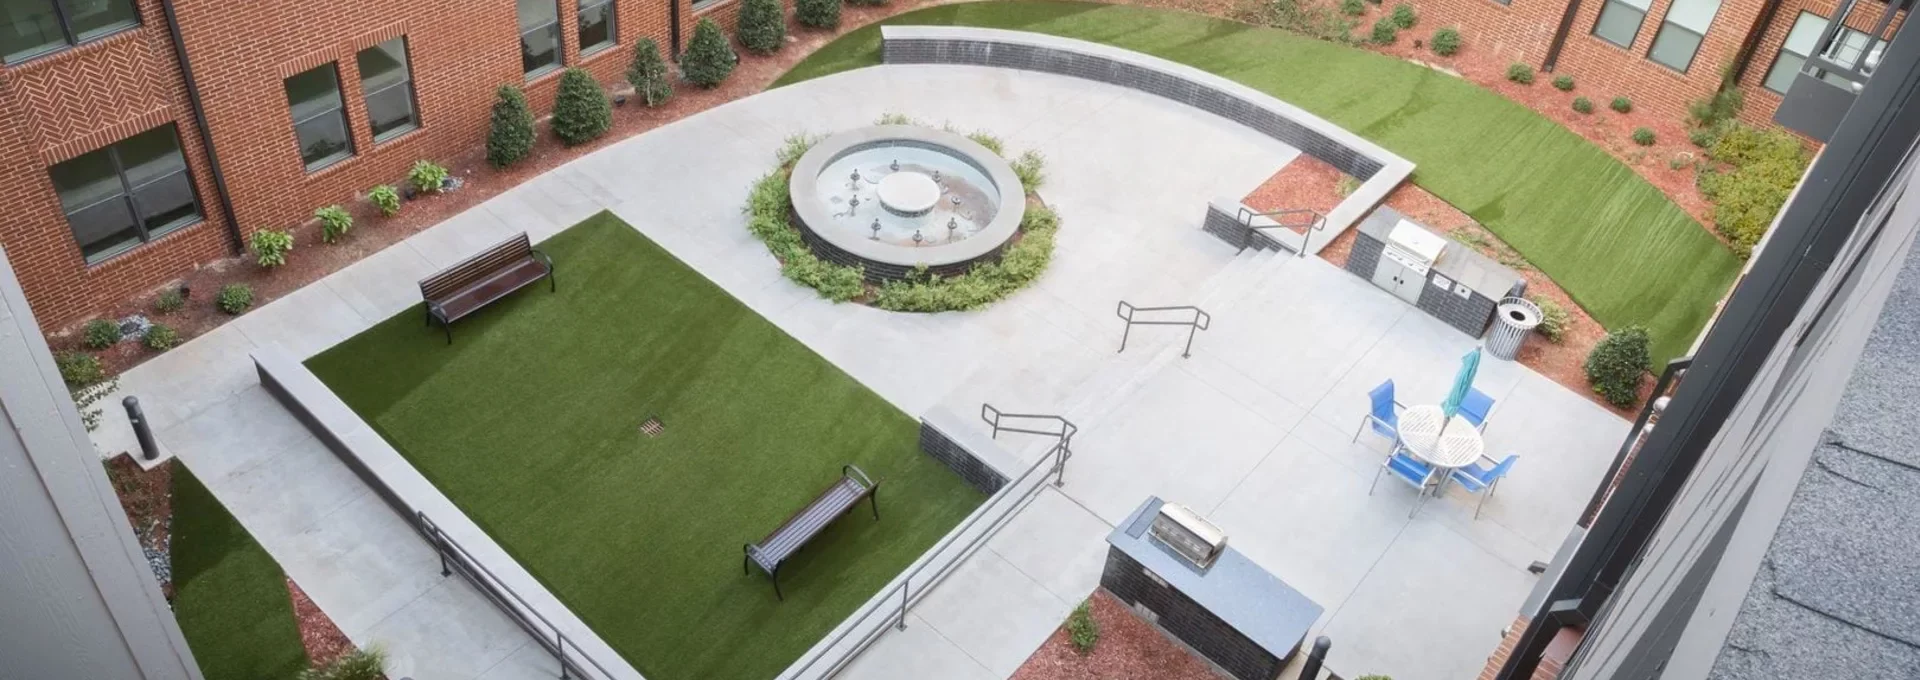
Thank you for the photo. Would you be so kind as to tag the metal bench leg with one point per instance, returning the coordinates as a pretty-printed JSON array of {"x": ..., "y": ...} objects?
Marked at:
[
  {"x": 553, "y": 284},
  {"x": 746, "y": 562},
  {"x": 448, "y": 327},
  {"x": 775, "y": 575},
  {"x": 875, "y": 499}
]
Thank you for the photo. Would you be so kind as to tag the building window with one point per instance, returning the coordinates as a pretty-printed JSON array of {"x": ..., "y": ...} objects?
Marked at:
[
  {"x": 1679, "y": 37},
  {"x": 1848, "y": 50},
  {"x": 126, "y": 194},
  {"x": 1620, "y": 21},
  {"x": 387, "y": 85},
  {"x": 539, "y": 36},
  {"x": 319, "y": 118},
  {"x": 596, "y": 25},
  {"x": 30, "y": 28}
]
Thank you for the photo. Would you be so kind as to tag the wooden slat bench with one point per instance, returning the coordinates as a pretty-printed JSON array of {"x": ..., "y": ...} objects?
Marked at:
[
  {"x": 831, "y": 504},
  {"x": 477, "y": 281}
]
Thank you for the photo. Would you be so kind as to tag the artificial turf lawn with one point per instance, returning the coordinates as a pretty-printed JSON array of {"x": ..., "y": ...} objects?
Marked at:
[
  {"x": 1617, "y": 245},
  {"x": 230, "y": 597},
  {"x": 530, "y": 423}
]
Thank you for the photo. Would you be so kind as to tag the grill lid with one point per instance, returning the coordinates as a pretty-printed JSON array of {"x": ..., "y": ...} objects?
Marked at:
[{"x": 1416, "y": 242}]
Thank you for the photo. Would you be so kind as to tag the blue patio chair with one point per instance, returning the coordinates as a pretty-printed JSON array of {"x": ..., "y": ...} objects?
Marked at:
[
  {"x": 1475, "y": 407},
  {"x": 1482, "y": 479},
  {"x": 1407, "y": 469},
  {"x": 1384, "y": 416}
]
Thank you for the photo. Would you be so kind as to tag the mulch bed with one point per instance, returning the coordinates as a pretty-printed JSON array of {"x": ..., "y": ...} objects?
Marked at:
[
  {"x": 147, "y": 498},
  {"x": 1310, "y": 182},
  {"x": 1129, "y": 649},
  {"x": 313, "y": 260}
]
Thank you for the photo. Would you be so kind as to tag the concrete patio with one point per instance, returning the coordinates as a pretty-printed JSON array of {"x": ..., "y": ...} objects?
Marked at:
[{"x": 1252, "y": 430}]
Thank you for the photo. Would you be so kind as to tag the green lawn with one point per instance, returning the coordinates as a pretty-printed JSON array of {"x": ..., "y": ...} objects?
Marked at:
[
  {"x": 229, "y": 596},
  {"x": 530, "y": 422},
  {"x": 1615, "y": 243}
]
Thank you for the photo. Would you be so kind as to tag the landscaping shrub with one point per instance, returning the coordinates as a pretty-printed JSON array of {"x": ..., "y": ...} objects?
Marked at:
[
  {"x": 79, "y": 369},
  {"x": 1520, "y": 73},
  {"x": 895, "y": 118},
  {"x": 1082, "y": 630},
  {"x": 991, "y": 142},
  {"x": 1018, "y": 266},
  {"x": 1031, "y": 167},
  {"x": 1384, "y": 32},
  {"x": 169, "y": 301},
  {"x": 708, "y": 60},
  {"x": 648, "y": 73},
  {"x": 767, "y": 210},
  {"x": 1318, "y": 20},
  {"x": 234, "y": 298},
  {"x": 334, "y": 222},
  {"x": 1563, "y": 83},
  {"x": 1763, "y": 167},
  {"x": 360, "y": 664},
  {"x": 795, "y": 147},
  {"x": 1583, "y": 105},
  {"x": 510, "y": 131},
  {"x": 1554, "y": 319},
  {"x": 1346, "y": 185},
  {"x": 581, "y": 112},
  {"x": 427, "y": 177},
  {"x": 823, "y": 14},
  {"x": 1615, "y": 365},
  {"x": 1703, "y": 138},
  {"x": 270, "y": 247},
  {"x": 1404, "y": 16},
  {"x": 387, "y": 198},
  {"x": 100, "y": 334},
  {"x": 1446, "y": 41},
  {"x": 1353, "y": 8},
  {"x": 1621, "y": 105},
  {"x": 867, "y": 3},
  {"x": 1721, "y": 107},
  {"x": 763, "y": 26},
  {"x": 161, "y": 337},
  {"x": 1643, "y": 136}
]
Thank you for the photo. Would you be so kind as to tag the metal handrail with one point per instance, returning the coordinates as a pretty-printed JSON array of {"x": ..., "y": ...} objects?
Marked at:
[
  {"x": 993, "y": 416},
  {"x": 1201, "y": 321},
  {"x": 508, "y": 601},
  {"x": 1000, "y": 502},
  {"x": 1315, "y": 222}
]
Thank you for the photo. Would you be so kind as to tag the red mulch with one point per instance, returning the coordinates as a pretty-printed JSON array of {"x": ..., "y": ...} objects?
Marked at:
[
  {"x": 323, "y": 640},
  {"x": 1129, "y": 649},
  {"x": 1309, "y": 182},
  {"x": 311, "y": 259}
]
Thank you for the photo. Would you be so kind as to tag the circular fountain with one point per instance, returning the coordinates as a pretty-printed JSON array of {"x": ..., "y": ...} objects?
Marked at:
[{"x": 891, "y": 198}]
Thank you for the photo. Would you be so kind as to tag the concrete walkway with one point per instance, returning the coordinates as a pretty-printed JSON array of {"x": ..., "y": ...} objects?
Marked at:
[{"x": 1248, "y": 429}]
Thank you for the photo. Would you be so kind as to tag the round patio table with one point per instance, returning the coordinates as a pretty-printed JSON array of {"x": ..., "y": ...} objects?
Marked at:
[{"x": 1421, "y": 433}]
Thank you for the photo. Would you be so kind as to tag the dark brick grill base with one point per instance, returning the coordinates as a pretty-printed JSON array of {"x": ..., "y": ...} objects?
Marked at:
[{"x": 1187, "y": 621}]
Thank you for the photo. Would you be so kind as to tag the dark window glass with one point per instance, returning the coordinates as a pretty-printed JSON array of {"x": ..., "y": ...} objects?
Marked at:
[
  {"x": 1620, "y": 21},
  {"x": 387, "y": 84},
  {"x": 319, "y": 120},
  {"x": 539, "y": 36},
  {"x": 1679, "y": 36},
  {"x": 29, "y": 28},
  {"x": 596, "y": 25},
  {"x": 1793, "y": 53},
  {"x": 126, "y": 194}
]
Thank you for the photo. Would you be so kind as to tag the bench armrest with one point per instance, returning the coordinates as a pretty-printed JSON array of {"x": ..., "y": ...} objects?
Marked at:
[
  {"x": 854, "y": 472},
  {"x": 434, "y": 309},
  {"x": 542, "y": 257}
]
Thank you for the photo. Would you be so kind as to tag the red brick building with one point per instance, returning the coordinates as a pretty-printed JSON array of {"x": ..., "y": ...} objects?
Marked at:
[{"x": 139, "y": 138}]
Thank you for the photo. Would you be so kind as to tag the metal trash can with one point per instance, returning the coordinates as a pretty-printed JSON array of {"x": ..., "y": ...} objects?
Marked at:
[{"x": 1512, "y": 320}]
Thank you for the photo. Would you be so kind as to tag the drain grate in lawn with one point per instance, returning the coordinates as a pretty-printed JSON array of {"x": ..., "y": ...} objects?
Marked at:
[{"x": 526, "y": 422}]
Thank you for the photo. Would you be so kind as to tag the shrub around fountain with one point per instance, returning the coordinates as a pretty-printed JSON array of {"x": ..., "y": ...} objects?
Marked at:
[
  {"x": 708, "y": 60},
  {"x": 763, "y": 26},
  {"x": 648, "y": 73},
  {"x": 581, "y": 113},
  {"x": 770, "y": 218},
  {"x": 509, "y": 134},
  {"x": 817, "y": 13}
]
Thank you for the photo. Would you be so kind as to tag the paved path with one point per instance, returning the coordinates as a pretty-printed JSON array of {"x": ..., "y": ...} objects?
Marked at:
[{"x": 1249, "y": 430}]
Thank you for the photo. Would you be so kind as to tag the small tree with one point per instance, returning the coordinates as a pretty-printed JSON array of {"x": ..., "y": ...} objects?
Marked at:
[
  {"x": 581, "y": 113},
  {"x": 648, "y": 73},
  {"x": 817, "y": 13},
  {"x": 708, "y": 60},
  {"x": 510, "y": 137},
  {"x": 1615, "y": 365},
  {"x": 763, "y": 26}
]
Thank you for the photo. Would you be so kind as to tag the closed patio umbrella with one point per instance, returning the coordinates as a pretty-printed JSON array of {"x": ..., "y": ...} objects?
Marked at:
[{"x": 1469, "y": 366}]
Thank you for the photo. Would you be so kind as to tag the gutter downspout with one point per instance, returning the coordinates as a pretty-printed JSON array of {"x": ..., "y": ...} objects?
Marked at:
[
  {"x": 238, "y": 243},
  {"x": 1560, "y": 37},
  {"x": 673, "y": 27}
]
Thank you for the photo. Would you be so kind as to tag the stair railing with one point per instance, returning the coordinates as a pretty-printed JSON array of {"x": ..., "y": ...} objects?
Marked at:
[
  {"x": 1062, "y": 432},
  {"x": 1198, "y": 321},
  {"x": 1307, "y": 220}
]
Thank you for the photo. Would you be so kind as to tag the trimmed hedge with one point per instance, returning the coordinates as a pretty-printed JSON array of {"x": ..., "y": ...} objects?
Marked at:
[
  {"x": 510, "y": 132},
  {"x": 648, "y": 73},
  {"x": 1762, "y": 168},
  {"x": 763, "y": 26},
  {"x": 1446, "y": 41},
  {"x": 709, "y": 59},
  {"x": 1615, "y": 365},
  {"x": 823, "y": 14},
  {"x": 581, "y": 113}
]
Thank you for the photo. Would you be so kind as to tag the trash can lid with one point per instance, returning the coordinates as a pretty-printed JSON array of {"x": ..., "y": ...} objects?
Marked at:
[{"x": 1519, "y": 313}]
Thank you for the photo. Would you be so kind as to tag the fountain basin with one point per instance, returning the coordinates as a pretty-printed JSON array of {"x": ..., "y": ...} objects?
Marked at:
[{"x": 893, "y": 198}]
